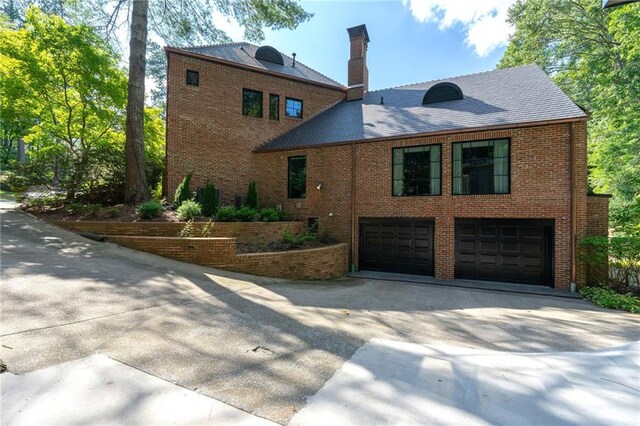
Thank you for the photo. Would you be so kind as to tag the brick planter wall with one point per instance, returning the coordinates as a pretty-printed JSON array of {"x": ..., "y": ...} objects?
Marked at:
[
  {"x": 244, "y": 232},
  {"x": 312, "y": 264}
]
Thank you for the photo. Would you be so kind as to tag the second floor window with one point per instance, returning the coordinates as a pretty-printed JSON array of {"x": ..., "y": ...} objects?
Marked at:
[
  {"x": 416, "y": 170},
  {"x": 293, "y": 108},
  {"x": 252, "y": 103},
  {"x": 297, "y": 180},
  {"x": 481, "y": 167},
  {"x": 274, "y": 107},
  {"x": 193, "y": 78}
]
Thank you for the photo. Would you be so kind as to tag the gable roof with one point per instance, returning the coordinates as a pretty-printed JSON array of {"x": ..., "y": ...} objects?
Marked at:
[
  {"x": 244, "y": 54},
  {"x": 503, "y": 97}
]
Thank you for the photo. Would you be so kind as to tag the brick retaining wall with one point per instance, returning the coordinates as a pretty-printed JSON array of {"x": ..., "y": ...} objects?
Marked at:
[
  {"x": 244, "y": 232},
  {"x": 311, "y": 264}
]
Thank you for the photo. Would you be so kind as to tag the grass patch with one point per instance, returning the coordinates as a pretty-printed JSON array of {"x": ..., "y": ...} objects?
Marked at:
[
  {"x": 607, "y": 298},
  {"x": 7, "y": 195}
]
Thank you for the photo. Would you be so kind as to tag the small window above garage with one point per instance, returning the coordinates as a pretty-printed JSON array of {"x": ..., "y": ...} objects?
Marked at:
[{"x": 442, "y": 92}]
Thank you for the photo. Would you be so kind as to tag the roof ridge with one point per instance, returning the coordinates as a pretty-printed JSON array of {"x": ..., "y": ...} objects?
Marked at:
[
  {"x": 312, "y": 69},
  {"x": 229, "y": 43},
  {"x": 455, "y": 76}
]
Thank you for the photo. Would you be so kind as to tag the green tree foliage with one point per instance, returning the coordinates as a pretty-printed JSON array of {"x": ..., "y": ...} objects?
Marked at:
[
  {"x": 594, "y": 55},
  {"x": 66, "y": 94},
  {"x": 209, "y": 199},
  {"x": 183, "y": 191},
  {"x": 252, "y": 196}
]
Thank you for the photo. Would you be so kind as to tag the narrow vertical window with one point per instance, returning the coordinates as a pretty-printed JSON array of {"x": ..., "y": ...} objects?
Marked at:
[
  {"x": 252, "y": 103},
  {"x": 193, "y": 78},
  {"x": 274, "y": 107},
  {"x": 293, "y": 108},
  {"x": 297, "y": 180},
  {"x": 416, "y": 170},
  {"x": 481, "y": 167}
]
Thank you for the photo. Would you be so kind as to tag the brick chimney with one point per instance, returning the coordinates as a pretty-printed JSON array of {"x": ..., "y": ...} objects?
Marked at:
[{"x": 358, "y": 73}]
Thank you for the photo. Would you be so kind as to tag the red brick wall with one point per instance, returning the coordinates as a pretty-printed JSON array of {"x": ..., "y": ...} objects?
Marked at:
[
  {"x": 540, "y": 188},
  {"x": 313, "y": 264},
  {"x": 597, "y": 215},
  {"x": 206, "y": 131},
  {"x": 244, "y": 232}
]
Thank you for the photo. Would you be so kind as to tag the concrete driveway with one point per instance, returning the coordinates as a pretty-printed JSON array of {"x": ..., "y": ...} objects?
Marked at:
[{"x": 262, "y": 345}]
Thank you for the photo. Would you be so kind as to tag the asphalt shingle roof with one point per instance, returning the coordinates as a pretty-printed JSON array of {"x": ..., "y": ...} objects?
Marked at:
[
  {"x": 502, "y": 97},
  {"x": 244, "y": 54}
]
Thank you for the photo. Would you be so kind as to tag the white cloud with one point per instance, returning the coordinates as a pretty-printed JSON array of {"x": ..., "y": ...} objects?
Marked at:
[{"x": 483, "y": 20}]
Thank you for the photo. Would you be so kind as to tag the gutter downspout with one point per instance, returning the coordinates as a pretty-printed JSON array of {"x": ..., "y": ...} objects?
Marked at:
[
  {"x": 353, "y": 206},
  {"x": 572, "y": 205}
]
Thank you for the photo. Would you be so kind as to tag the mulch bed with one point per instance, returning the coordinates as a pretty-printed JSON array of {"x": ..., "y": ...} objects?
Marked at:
[{"x": 244, "y": 248}]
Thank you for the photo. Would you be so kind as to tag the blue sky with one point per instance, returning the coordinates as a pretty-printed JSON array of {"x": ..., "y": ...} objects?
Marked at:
[{"x": 411, "y": 40}]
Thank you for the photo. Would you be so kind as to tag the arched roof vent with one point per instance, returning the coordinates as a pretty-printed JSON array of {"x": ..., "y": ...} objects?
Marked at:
[
  {"x": 269, "y": 54},
  {"x": 442, "y": 92}
]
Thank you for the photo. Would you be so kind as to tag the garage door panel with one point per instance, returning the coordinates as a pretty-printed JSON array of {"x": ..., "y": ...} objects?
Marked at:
[
  {"x": 504, "y": 250},
  {"x": 488, "y": 245},
  {"x": 403, "y": 245}
]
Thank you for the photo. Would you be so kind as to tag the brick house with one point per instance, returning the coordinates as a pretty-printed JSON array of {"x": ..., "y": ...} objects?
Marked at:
[{"x": 482, "y": 176}]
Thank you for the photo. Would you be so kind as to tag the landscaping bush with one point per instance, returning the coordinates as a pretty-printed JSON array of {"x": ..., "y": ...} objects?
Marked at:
[
  {"x": 226, "y": 214},
  {"x": 209, "y": 199},
  {"x": 252, "y": 196},
  {"x": 247, "y": 214},
  {"x": 608, "y": 298},
  {"x": 300, "y": 238},
  {"x": 189, "y": 210},
  {"x": 614, "y": 262},
  {"x": 41, "y": 203},
  {"x": 148, "y": 210},
  {"x": 271, "y": 215},
  {"x": 113, "y": 212},
  {"x": 183, "y": 191}
]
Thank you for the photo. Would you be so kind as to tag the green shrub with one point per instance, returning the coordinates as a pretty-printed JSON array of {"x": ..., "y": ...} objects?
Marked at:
[
  {"x": 298, "y": 239},
  {"x": 92, "y": 208},
  {"x": 113, "y": 212},
  {"x": 156, "y": 192},
  {"x": 608, "y": 298},
  {"x": 247, "y": 214},
  {"x": 189, "y": 210},
  {"x": 74, "y": 208},
  {"x": 183, "y": 191},
  {"x": 149, "y": 210},
  {"x": 271, "y": 215},
  {"x": 227, "y": 214},
  {"x": 252, "y": 196},
  {"x": 40, "y": 203},
  {"x": 14, "y": 182},
  {"x": 614, "y": 262},
  {"x": 209, "y": 199}
]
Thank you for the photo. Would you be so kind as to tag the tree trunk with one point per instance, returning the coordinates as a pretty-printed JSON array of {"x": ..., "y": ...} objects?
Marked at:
[
  {"x": 21, "y": 150},
  {"x": 136, "y": 189}
]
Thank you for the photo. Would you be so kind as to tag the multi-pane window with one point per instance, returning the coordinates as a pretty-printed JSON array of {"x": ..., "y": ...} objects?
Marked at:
[
  {"x": 251, "y": 103},
  {"x": 416, "y": 170},
  {"x": 481, "y": 167},
  {"x": 274, "y": 107},
  {"x": 297, "y": 181},
  {"x": 193, "y": 78},
  {"x": 293, "y": 108}
]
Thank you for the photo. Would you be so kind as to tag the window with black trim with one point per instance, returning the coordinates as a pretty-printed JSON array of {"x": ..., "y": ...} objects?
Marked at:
[
  {"x": 297, "y": 180},
  {"x": 193, "y": 78},
  {"x": 293, "y": 108},
  {"x": 274, "y": 107},
  {"x": 481, "y": 167},
  {"x": 416, "y": 170},
  {"x": 252, "y": 103}
]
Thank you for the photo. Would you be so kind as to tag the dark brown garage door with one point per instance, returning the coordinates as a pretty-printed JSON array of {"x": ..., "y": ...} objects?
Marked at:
[
  {"x": 511, "y": 250},
  {"x": 396, "y": 245}
]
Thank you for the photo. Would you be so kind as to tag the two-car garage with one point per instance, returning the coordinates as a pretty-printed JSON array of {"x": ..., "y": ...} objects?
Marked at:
[{"x": 508, "y": 250}]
